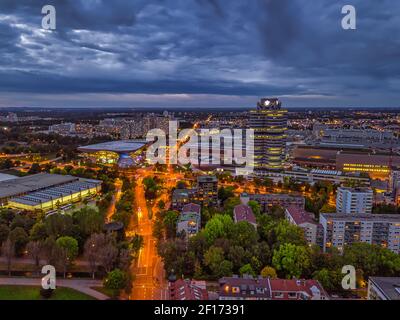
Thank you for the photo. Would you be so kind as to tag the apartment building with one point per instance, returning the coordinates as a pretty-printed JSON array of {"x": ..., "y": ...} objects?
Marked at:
[
  {"x": 207, "y": 189},
  {"x": 384, "y": 288},
  {"x": 267, "y": 201},
  {"x": 189, "y": 220},
  {"x": 354, "y": 200},
  {"x": 313, "y": 231},
  {"x": 344, "y": 229}
]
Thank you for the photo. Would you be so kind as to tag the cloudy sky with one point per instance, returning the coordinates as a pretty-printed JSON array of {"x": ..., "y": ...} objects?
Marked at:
[{"x": 199, "y": 53}]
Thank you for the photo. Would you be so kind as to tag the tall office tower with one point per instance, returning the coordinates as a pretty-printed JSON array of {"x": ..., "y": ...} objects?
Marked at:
[
  {"x": 269, "y": 123},
  {"x": 354, "y": 200}
]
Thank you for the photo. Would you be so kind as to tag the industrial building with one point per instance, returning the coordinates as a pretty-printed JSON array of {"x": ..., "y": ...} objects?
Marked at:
[
  {"x": 366, "y": 138},
  {"x": 45, "y": 191},
  {"x": 314, "y": 175},
  {"x": 347, "y": 159}
]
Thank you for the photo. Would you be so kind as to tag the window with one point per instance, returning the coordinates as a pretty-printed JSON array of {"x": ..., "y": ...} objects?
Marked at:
[
  {"x": 235, "y": 289},
  {"x": 292, "y": 295}
]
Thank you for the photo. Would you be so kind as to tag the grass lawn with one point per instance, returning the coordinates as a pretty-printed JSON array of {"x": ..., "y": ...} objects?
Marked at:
[
  {"x": 103, "y": 290},
  {"x": 33, "y": 293}
]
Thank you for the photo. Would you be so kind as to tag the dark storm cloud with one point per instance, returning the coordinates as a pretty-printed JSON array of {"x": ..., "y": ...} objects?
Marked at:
[{"x": 293, "y": 48}]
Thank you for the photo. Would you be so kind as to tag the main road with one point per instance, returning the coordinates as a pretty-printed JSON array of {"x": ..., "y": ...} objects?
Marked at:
[
  {"x": 149, "y": 276},
  {"x": 148, "y": 270}
]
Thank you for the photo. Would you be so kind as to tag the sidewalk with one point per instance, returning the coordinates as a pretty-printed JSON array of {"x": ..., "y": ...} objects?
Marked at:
[{"x": 78, "y": 285}]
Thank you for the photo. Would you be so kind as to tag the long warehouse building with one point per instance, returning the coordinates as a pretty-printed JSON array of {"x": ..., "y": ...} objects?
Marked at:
[{"x": 45, "y": 191}]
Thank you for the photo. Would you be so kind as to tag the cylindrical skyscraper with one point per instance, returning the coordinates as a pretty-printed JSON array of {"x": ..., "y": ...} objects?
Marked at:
[{"x": 269, "y": 122}]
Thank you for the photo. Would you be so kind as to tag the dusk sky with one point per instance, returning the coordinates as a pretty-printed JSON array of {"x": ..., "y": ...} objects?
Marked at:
[{"x": 199, "y": 53}]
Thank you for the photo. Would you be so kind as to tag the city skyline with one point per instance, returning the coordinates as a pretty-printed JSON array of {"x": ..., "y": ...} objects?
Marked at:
[{"x": 198, "y": 54}]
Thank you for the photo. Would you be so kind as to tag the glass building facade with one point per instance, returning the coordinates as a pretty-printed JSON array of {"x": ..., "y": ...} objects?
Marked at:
[{"x": 269, "y": 122}]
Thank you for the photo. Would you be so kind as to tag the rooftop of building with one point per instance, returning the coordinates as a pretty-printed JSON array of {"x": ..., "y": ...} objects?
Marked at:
[
  {"x": 187, "y": 290},
  {"x": 359, "y": 217},
  {"x": 299, "y": 215},
  {"x": 207, "y": 179},
  {"x": 17, "y": 186},
  {"x": 245, "y": 286},
  {"x": 182, "y": 193},
  {"x": 191, "y": 207},
  {"x": 326, "y": 172},
  {"x": 271, "y": 195},
  {"x": 54, "y": 193},
  {"x": 5, "y": 177},
  {"x": 310, "y": 287},
  {"x": 356, "y": 189},
  {"x": 243, "y": 212},
  {"x": 248, "y": 286},
  {"x": 388, "y": 286},
  {"x": 115, "y": 146}
]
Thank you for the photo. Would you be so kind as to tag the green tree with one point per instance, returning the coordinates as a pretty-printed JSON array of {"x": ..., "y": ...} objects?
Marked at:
[
  {"x": 372, "y": 259},
  {"x": 169, "y": 221},
  {"x": 123, "y": 216},
  {"x": 6, "y": 216},
  {"x": 277, "y": 212},
  {"x": 173, "y": 253},
  {"x": 327, "y": 208},
  {"x": 225, "y": 269},
  {"x": 38, "y": 231},
  {"x": 88, "y": 220},
  {"x": 22, "y": 221},
  {"x": 289, "y": 233},
  {"x": 329, "y": 279},
  {"x": 8, "y": 251},
  {"x": 268, "y": 183},
  {"x": 4, "y": 232},
  {"x": 214, "y": 259},
  {"x": 35, "y": 168},
  {"x": 219, "y": 226},
  {"x": 230, "y": 204},
  {"x": 255, "y": 207},
  {"x": 58, "y": 225},
  {"x": 239, "y": 256},
  {"x": 92, "y": 251},
  {"x": 247, "y": 269},
  {"x": 34, "y": 249},
  {"x": 116, "y": 281},
  {"x": 161, "y": 205},
  {"x": 20, "y": 238},
  {"x": 244, "y": 234},
  {"x": 68, "y": 251},
  {"x": 291, "y": 260},
  {"x": 225, "y": 193}
]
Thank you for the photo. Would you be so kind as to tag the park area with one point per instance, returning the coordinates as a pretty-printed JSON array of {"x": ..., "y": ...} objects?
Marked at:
[{"x": 15, "y": 292}]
